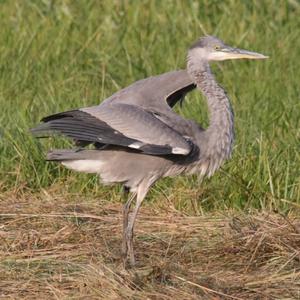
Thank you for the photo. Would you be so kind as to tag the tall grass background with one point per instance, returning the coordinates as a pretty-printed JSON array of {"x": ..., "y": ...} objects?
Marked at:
[{"x": 60, "y": 55}]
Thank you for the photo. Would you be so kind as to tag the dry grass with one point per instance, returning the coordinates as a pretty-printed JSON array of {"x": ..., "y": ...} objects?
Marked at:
[{"x": 52, "y": 248}]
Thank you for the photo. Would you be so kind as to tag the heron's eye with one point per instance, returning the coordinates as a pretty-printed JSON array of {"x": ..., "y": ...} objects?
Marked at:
[{"x": 217, "y": 47}]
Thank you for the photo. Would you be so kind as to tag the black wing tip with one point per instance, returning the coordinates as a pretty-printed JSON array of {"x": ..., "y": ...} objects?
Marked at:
[
  {"x": 61, "y": 115},
  {"x": 179, "y": 95},
  {"x": 40, "y": 131}
]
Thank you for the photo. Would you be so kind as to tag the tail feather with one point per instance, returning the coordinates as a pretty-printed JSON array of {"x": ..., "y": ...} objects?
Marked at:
[
  {"x": 111, "y": 165},
  {"x": 88, "y": 161},
  {"x": 72, "y": 154}
]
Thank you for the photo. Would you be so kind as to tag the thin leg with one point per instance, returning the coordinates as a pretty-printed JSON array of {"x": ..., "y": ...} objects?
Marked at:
[
  {"x": 142, "y": 191},
  {"x": 126, "y": 206},
  {"x": 126, "y": 210}
]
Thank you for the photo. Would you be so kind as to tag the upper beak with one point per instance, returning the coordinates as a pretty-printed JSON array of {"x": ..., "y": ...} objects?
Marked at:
[{"x": 235, "y": 53}]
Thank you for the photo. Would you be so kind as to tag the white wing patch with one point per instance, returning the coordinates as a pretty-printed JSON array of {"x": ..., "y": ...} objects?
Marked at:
[
  {"x": 136, "y": 145},
  {"x": 178, "y": 150}
]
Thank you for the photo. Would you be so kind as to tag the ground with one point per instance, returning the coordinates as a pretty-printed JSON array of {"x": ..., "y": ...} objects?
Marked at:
[{"x": 57, "y": 249}]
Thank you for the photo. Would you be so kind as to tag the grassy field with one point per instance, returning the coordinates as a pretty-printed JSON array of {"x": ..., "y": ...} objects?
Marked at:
[{"x": 60, "y": 55}]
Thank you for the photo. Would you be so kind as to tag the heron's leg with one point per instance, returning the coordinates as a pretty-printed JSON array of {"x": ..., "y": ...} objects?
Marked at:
[
  {"x": 126, "y": 206},
  {"x": 126, "y": 210},
  {"x": 142, "y": 191}
]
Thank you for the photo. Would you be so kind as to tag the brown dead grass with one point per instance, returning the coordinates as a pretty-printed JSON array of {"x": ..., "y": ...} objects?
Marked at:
[{"x": 53, "y": 248}]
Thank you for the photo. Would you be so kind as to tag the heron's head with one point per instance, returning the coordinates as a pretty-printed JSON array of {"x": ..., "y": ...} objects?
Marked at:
[{"x": 211, "y": 48}]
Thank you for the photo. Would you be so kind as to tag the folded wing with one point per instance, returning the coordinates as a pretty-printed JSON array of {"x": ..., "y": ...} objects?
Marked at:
[{"x": 123, "y": 125}]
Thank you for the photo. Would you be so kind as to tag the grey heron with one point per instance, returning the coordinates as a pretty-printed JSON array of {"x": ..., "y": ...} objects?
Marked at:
[{"x": 137, "y": 138}]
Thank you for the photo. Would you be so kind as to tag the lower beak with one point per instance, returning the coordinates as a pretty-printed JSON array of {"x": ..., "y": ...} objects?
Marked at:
[{"x": 235, "y": 53}]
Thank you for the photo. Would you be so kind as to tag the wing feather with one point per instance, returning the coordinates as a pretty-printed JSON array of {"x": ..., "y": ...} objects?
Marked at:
[
  {"x": 84, "y": 127},
  {"x": 139, "y": 124}
]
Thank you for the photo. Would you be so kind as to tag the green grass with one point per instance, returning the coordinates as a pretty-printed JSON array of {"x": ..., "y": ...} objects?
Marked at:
[{"x": 60, "y": 55}]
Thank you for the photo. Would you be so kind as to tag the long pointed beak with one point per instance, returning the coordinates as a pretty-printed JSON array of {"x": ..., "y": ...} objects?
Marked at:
[{"x": 235, "y": 53}]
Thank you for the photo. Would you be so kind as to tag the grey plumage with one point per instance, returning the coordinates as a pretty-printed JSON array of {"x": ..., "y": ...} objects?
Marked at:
[{"x": 138, "y": 138}]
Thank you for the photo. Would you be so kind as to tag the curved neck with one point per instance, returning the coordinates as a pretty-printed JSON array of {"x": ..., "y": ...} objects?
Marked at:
[{"x": 220, "y": 132}]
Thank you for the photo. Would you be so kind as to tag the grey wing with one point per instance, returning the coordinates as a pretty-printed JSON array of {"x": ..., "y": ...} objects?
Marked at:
[
  {"x": 160, "y": 92},
  {"x": 135, "y": 125},
  {"x": 124, "y": 125}
]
